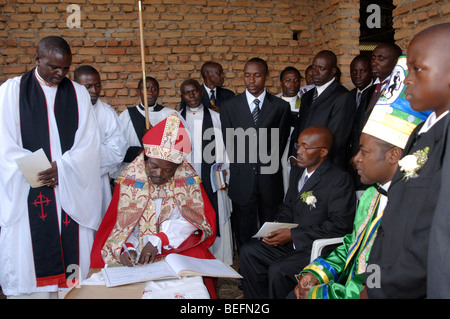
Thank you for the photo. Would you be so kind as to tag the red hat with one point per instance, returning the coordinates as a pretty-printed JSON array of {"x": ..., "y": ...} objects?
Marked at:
[{"x": 168, "y": 140}]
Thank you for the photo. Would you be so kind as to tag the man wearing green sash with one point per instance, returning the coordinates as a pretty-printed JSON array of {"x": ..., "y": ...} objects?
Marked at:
[{"x": 341, "y": 274}]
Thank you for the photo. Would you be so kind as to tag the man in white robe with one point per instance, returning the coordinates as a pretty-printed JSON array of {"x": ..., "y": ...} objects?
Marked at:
[
  {"x": 290, "y": 79},
  {"x": 113, "y": 143},
  {"x": 76, "y": 193},
  {"x": 133, "y": 120},
  {"x": 204, "y": 124}
]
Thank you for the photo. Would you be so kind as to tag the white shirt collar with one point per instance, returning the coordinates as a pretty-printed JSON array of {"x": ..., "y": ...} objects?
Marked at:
[
  {"x": 430, "y": 121},
  {"x": 322, "y": 88},
  {"x": 370, "y": 84},
  {"x": 251, "y": 98}
]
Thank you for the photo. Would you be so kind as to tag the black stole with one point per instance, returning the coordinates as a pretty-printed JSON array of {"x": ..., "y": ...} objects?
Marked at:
[
  {"x": 53, "y": 250},
  {"x": 206, "y": 167}
]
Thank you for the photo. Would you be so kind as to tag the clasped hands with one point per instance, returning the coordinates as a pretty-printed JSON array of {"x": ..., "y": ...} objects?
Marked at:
[
  {"x": 278, "y": 237},
  {"x": 148, "y": 255}
]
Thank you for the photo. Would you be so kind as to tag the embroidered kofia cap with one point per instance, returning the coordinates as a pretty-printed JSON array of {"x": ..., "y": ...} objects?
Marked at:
[
  {"x": 392, "y": 119},
  {"x": 168, "y": 140}
]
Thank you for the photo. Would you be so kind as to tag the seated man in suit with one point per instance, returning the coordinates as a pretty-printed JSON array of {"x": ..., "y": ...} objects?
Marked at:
[{"x": 268, "y": 265}]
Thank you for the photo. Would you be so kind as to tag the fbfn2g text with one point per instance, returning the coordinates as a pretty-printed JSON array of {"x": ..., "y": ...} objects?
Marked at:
[{"x": 224, "y": 309}]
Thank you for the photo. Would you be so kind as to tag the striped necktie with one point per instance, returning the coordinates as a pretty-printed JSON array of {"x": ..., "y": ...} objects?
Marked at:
[
  {"x": 316, "y": 94},
  {"x": 255, "y": 112},
  {"x": 213, "y": 98}
]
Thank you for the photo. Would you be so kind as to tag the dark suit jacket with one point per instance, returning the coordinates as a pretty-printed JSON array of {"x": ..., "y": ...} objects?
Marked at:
[
  {"x": 331, "y": 110},
  {"x": 335, "y": 208},
  {"x": 438, "y": 278},
  {"x": 360, "y": 118},
  {"x": 246, "y": 163},
  {"x": 401, "y": 246},
  {"x": 221, "y": 94}
]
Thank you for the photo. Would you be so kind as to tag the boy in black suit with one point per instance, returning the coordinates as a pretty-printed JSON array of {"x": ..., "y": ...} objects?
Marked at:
[
  {"x": 401, "y": 246},
  {"x": 255, "y": 126},
  {"x": 267, "y": 266}
]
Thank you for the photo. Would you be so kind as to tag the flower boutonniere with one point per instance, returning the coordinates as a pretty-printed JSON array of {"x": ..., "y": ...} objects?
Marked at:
[
  {"x": 413, "y": 163},
  {"x": 309, "y": 199}
]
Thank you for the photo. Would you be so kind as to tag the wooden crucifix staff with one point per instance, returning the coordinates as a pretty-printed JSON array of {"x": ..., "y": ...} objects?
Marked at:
[{"x": 144, "y": 80}]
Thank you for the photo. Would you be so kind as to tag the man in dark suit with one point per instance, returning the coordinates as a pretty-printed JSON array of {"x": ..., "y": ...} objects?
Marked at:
[
  {"x": 384, "y": 58},
  {"x": 326, "y": 105},
  {"x": 213, "y": 93},
  {"x": 268, "y": 265},
  {"x": 359, "y": 97},
  {"x": 255, "y": 127},
  {"x": 401, "y": 249}
]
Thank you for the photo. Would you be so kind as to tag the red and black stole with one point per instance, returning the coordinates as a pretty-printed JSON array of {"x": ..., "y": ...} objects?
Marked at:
[{"x": 53, "y": 250}]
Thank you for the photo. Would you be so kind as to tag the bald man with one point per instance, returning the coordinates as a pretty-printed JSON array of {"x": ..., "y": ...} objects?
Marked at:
[
  {"x": 401, "y": 250},
  {"x": 268, "y": 265}
]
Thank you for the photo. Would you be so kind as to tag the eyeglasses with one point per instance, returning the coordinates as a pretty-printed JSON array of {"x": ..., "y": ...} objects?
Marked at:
[{"x": 303, "y": 148}]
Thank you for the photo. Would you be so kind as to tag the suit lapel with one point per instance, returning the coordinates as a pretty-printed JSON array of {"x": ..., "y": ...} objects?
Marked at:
[
  {"x": 267, "y": 109},
  {"x": 315, "y": 178},
  {"x": 325, "y": 94},
  {"x": 245, "y": 115}
]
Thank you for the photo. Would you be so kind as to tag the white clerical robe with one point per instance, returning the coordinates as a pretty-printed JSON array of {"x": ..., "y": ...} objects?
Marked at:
[
  {"x": 222, "y": 248},
  {"x": 78, "y": 189},
  {"x": 284, "y": 159},
  {"x": 113, "y": 147}
]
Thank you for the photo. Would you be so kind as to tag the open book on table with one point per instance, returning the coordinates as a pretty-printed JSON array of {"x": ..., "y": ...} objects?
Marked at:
[{"x": 175, "y": 266}]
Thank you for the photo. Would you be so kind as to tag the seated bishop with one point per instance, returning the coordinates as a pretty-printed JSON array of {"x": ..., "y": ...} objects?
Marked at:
[{"x": 159, "y": 206}]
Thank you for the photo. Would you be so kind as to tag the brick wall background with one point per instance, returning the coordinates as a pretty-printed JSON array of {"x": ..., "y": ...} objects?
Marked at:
[{"x": 180, "y": 35}]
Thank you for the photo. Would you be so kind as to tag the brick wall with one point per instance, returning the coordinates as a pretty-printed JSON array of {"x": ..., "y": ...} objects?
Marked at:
[
  {"x": 411, "y": 17},
  {"x": 180, "y": 35}
]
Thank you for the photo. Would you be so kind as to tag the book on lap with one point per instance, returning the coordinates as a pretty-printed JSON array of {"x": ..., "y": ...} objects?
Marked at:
[{"x": 175, "y": 266}]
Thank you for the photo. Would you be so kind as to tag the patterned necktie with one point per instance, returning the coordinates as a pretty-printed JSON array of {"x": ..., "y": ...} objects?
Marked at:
[
  {"x": 213, "y": 98},
  {"x": 255, "y": 112},
  {"x": 315, "y": 95},
  {"x": 358, "y": 99}
]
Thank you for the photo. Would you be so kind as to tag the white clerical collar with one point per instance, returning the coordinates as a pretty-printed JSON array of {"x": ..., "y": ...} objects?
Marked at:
[
  {"x": 431, "y": 120},
  {"x": 41, "y": 80},
  {"x": 194, "y": 110},
  {"x": 322, "y": 88},
  {"x": 150, "y": 108}
]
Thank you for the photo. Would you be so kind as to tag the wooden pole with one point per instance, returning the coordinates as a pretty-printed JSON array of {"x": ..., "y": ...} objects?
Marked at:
[{"x": 144, "y": 81}]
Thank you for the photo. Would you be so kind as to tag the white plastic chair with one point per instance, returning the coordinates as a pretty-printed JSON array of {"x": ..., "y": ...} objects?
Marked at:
[{"x": 320, "y": 244}]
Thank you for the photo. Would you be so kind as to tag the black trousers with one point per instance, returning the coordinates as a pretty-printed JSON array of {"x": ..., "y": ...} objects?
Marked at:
[
  {"x": 269, "y": 272},
  {"x": 247, "y": 219}
]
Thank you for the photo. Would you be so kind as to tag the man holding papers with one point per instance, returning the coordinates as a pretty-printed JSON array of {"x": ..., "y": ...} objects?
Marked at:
[
  {"x": 159, "y": 206},
  {"x": 47, "y": 231},
  {"x": 320, "y": 199}
]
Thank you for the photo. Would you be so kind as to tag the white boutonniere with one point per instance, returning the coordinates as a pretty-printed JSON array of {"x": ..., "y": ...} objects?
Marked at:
[
  {"x": 309, "y": 199},
  {"x": 413, "y": 163}
]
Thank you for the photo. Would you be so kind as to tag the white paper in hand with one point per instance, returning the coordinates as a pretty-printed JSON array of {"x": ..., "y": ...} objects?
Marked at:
[{"x": 33, "y": 164}]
